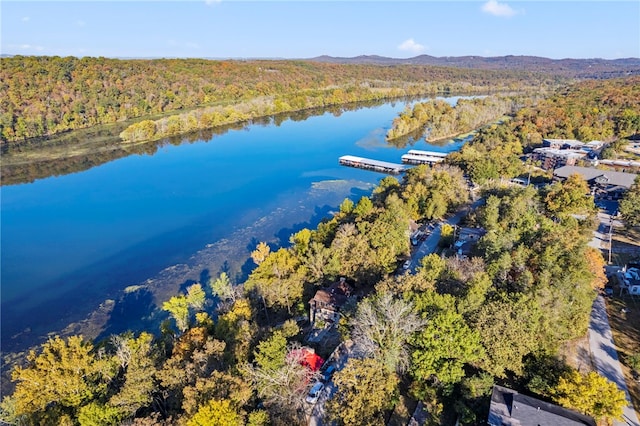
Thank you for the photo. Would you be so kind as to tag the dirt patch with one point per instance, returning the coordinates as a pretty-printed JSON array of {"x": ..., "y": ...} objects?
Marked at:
[
  {"x": 577, "y": 354},
  {"x": 624, "y": 317}
]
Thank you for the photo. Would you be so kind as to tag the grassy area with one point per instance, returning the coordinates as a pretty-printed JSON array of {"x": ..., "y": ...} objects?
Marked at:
[{"x": 624, "y": 317}]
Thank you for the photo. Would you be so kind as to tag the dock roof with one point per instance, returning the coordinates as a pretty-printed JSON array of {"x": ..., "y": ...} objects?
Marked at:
[
  {"x": 421, "y": 159},
  {"x": 352, "y": 160},
  {"x": 427, "y": 153}
]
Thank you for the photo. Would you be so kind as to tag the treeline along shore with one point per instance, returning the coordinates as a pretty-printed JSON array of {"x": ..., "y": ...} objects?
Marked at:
[{"x": 43, "y": 96}]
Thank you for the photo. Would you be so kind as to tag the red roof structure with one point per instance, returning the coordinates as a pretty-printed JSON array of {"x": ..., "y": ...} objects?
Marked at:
[{"x": 309, "y": 358}]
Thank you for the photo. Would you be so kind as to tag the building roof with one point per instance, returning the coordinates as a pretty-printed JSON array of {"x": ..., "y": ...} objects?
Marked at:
[
  {"x": 368, "y": 162},
  {"x": 564, "y": 143},
  {"x": 567, "y": 153},
  {"x": 334, "y": 296},
  {"x": 509, "y": 408},
  {"x": 427, "y": 153},
  {"x": 596, "y": 175},
  {"x": 308, "y": 358},
  {"x": 471, "y": 233}
]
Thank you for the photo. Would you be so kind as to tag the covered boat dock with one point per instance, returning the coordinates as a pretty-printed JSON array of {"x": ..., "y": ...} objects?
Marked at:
[
  {"x": 369, "y": 164},
  {"x": 415, "y": 156}
]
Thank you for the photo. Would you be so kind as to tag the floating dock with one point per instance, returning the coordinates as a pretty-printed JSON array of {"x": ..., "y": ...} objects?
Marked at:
[
  {"x": 369, "y": 164},
  {"x": 415, "y": 156}
]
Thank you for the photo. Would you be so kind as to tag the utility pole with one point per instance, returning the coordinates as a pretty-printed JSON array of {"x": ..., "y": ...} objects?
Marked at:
[{"x": 610, "y": 236}]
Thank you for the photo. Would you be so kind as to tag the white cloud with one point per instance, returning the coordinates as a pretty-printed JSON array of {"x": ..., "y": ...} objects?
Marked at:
[
  {"x": 81, "y": 23},
  {"x": 25, "y": 19},
  {"x": 212, "y": 2},
  {"x": 498, "y": 9},
  {"x": 410, "y": 45}
]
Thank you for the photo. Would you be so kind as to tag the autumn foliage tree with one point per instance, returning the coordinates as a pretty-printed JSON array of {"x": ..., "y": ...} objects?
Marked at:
[
  {"x": 591, "y": 394},
  {"x": 365, "y": 389},
  {"x": 59, "y": 380}
]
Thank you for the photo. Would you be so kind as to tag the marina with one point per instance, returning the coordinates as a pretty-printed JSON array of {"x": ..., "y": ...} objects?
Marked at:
[
  {"x": 417, "y": 157},
  {"x": 369, "y": 164}
]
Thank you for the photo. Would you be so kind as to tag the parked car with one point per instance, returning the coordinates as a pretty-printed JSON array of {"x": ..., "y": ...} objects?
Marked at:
[
  {"x": 328, "y": 372},
  {"x": 315, "y": 392}
]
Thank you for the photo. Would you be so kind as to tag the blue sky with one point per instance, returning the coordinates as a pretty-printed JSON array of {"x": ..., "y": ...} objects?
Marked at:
[{"x": 304, "y": 29}]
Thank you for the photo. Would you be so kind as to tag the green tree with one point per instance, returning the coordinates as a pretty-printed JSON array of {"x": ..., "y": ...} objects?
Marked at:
[
  {"x": 270, "y": 354},
  {"x": 237, "y": 328},
  {"x": 365, "y": 390},
  {"x": 178, "y": 307},
  {"x": 196, "y": 297},
  {"x": 278, "y": 279},
  {"x": 218, "y": 385},
  {"x": 591, "y": 394},
  {"x": 138, "y": 359},
  {"x": 223, "y": 288},
  {"x": 509, "y": 331},
  {"x": 95, "y": 414},
  {"x": 630, "y": 205},
  {"x": 64, "y": 376},
  {"x": 443, "y": 347},
  {"x": 217, "y": 412},
  {"x": 569, "y": 197}
]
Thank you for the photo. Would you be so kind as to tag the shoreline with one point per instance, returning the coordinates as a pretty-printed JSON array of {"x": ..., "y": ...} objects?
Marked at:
[{"x": 230, "y": 253}]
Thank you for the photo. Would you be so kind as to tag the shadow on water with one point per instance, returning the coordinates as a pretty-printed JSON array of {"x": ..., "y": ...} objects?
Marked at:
[
  {"x": 185, "y": 285},
  {"x": 131, "y": 312},
  {"x": 205, "y": 276},
  {"x": 284, "y": 234},
  {"x": 245, "y": 270}
]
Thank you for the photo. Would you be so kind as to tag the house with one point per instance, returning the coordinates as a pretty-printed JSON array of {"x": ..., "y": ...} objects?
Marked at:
[
  {"x": 471, "y": 234},
  {"x": 603, "y": 183},
  {"x": 510, "y": 408},
  {"x": 467, "y": 238},
  {"x": 327, "y": 302}
]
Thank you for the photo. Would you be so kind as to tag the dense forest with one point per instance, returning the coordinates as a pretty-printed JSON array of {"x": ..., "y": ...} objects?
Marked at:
[
  {"x": 42, "y": 96},
  {"x": 439, "y": 120},
  {"x": 576, "y": 68}
]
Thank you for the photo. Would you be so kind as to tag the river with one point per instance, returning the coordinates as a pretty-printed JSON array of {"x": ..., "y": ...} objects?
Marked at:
[{"x": 95, "y": 252}]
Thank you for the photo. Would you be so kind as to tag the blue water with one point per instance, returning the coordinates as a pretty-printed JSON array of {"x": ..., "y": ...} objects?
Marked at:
[{"x": 69, "y": 242}]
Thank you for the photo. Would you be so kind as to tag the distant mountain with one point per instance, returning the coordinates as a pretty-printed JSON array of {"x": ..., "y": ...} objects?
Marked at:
[{"x": 586, "y": 68}]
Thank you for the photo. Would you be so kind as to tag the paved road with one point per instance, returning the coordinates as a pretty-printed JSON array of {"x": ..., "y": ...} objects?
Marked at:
[
  {"x": 605, "y": 356},
  {"x": 430, "y": 243}
]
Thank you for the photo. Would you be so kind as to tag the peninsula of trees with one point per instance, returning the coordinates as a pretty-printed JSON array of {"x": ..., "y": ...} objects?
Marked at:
[{"x": 229, "y": 352}]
